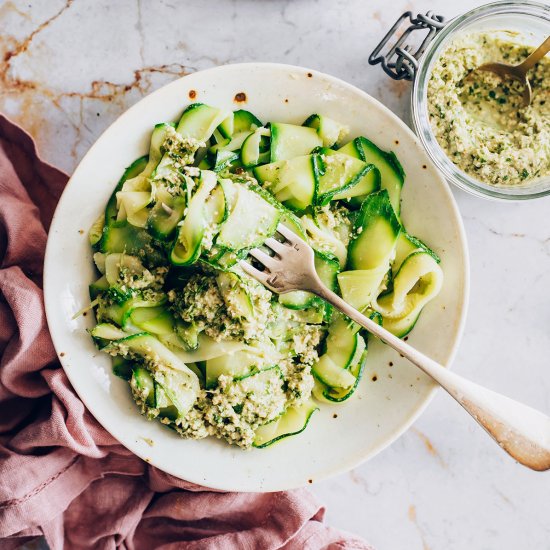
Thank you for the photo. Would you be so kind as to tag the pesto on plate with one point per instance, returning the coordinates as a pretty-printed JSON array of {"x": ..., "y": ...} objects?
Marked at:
[{"x": 206, "y": 349}]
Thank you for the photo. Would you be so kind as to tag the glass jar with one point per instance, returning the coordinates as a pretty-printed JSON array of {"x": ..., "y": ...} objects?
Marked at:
[{"x": 530, "y": 19}]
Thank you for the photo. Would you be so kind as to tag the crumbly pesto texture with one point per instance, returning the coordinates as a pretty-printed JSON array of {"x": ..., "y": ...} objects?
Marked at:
[
  {"x": 282, "y": 351},
  {"x": 235, "y": 408},
  {"x": 267, "y": 372},
  {"x": 480, "y": 121}
]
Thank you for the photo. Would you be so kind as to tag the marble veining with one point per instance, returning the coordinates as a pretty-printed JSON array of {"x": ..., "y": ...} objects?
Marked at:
[{"x": 68, "y": 68}]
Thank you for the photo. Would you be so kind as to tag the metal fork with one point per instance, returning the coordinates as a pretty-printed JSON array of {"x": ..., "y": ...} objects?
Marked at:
[{"x": 521, "y": 431}]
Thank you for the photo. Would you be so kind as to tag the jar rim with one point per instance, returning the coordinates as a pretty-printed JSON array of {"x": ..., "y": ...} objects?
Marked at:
[{"x": 419, "y": 103}]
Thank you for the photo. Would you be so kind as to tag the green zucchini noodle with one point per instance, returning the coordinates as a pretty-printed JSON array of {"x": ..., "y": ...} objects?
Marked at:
[{"x": 206, "y": 349}]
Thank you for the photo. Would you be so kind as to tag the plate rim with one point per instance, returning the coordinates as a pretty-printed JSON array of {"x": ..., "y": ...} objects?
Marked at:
[{"x": 344, "y": 465}]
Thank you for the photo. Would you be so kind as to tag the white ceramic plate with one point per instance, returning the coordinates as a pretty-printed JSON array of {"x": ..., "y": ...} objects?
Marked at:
[{"x": 338, "y": 437}]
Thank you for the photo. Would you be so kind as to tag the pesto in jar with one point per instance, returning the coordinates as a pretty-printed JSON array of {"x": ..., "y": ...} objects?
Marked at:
[{"x": 479, "y": 119}]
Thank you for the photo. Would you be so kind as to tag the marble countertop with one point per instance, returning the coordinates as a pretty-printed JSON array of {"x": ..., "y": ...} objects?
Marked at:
[{"x": 69, "y": 68}]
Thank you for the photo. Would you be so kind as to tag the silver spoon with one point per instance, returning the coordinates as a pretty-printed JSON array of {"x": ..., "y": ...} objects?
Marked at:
[
  {"x": 521, "y": 431},
  {"x": 519, "y": 72}
]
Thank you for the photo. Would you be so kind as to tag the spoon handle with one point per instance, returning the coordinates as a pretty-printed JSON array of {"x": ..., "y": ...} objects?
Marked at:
[
  {"x": 521, "y": 431},
  {"x": 535, "y": 56}
]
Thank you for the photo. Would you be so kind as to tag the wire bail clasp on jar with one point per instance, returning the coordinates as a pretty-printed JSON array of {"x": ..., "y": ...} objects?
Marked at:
[{"x": 401, "y": 60}]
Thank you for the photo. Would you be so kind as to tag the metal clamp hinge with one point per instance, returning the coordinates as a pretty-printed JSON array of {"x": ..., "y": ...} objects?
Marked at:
[{"x": 401, "y": 62}]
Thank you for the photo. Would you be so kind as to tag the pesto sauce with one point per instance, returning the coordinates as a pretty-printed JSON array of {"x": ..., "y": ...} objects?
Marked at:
[{"x": 480, "y": 121}]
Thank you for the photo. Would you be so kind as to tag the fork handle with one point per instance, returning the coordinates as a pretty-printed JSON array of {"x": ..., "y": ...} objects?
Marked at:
[{"x": 521, "y": 431}]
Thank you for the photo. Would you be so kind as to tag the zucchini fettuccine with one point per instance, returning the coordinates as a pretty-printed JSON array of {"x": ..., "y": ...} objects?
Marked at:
[{"x": 206, "y": 349}]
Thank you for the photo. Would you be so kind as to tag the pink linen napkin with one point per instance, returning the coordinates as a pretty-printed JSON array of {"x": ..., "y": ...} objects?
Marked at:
[{"x": 61, "y": 474}]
